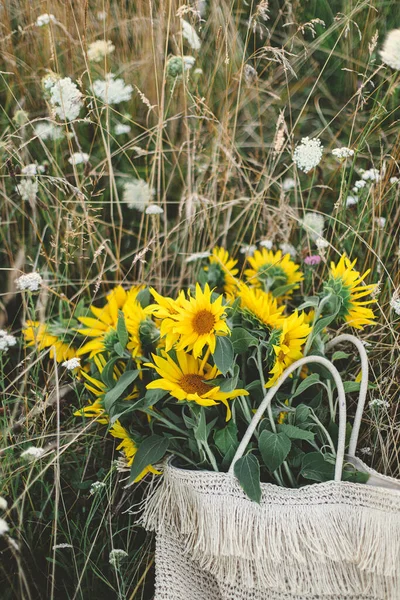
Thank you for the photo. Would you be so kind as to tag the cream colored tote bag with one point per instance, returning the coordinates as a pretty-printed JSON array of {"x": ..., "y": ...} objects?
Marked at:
[{"x": 333, "y": 540}]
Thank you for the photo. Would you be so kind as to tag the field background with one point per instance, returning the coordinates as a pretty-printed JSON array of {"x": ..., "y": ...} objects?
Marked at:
[{"x": 216, "y": 146}]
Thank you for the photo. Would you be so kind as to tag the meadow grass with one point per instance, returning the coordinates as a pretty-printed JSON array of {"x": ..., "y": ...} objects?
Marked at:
[{"x": 216, "y": 145}]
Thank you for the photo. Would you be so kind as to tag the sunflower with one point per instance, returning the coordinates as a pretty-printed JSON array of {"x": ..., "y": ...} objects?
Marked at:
[
  {"x": 261, "y": 305},
  {"x": 272, "y": 270},
  {"x": 129, "y": 448},
  {"x": 196, "y": 323},
  {"x": 96, "y": 410},
  {"x": 164, "y": 311},
  {"x": 292, "y": 335},
  {"x": 38, "y": 334},
  {"x": 347, "y": 284},
  {"x": 221, "y": 272},
  {"x": 187, "y": 379},
  {"x": 142, "y": 330}
]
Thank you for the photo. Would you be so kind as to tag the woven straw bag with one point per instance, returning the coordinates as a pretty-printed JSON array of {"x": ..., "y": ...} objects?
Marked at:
[{"x": 333, "y": 540}]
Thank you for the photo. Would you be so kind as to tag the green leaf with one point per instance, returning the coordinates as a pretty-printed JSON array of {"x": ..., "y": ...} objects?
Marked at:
[
  {"x": 242, "y": 340},
  {"x": 200, "y": 431},
  {"x": 351, "y": 386},
  {"x": 151, "y": 397},
  {"x": 310, "y": 301},
  {"x": 224, "y": 354},
  {"x": 282, "y": 290},
  {"x": 316, "y": 468},
  {"x": 122, "y": 331},
  {"x": 144, "y": 297},
  {"x": 150, "y": 451},
  {"x": 296, "y": 433},
  {"x": 306, "y": 383},
  {"x": 339, "y": 355},
  {"x": 247, "y": 471},
  {"x": 302, "y": 413},
  {"x": 227, "y": 438},
  {"x": 121, "y": 385},
  {"x": 107, "y": 374},
  {"x": 118, "y": 349},
  {"x": 274, "y": 448},
  {"x": 322, "y": 323}
]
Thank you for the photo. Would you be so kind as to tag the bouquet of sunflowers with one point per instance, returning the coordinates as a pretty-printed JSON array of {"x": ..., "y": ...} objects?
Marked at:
[{"x": 183, "y": 375}]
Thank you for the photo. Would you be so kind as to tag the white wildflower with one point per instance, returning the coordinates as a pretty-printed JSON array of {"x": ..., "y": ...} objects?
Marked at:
[
  {"x": 137, "y": 194},
  {"x": 390, "y": 53},
  {"x": 308, "y": 154},
  {"x": 321, "y": 243},
  {"x": 6, "y": 341},
  {"x": 62, "y": 545},
  {"x": 351, "y": 200},
  {"x": 66, "y": 99},
  {"x": 78, "y": 158},
  {"x": 190, "y": 35},
  {"x": 381, "y": 222},
  {"x": 371, "y": 175},
  {"x": 3, "y": 527},
  {"x": 359, "y": 185},
  {"x": 32, "y": 453},
  {"x": 154, "y": 209},
  {"x": 342, "y": 153},
  {"x": 395, "y": 304},
  {"x": 314, "y": 224},
  {"x": 31, "y": 282},
  {"x": 197, "y": 256},
  {"x": 99, "y": 49},
  {"x": 27, "y": 189},
  {"x": 45, "y": 19},
  {"x": 3, "y": 503},
  {"x": 96, "y": 487},
  {"x": 72, "y": 363},
  {"x": 266, "y": 244},
  {"x": 394, "y": 180},
  {"x": 32, "y": 170},
  {"x": 366, "y": 450},
  {"x": 288, "y": 184},
  {"x": 47, "y": 131},
  {"x": 248, "y": 249},
  {"x": 288, "y": 249},
  {"x": 116, "y": 557},
  {"x": 249, "y": 74},
  {"x": 101, "y": 15},
  {"x": 378, "y": 403},
  {"x": 111, "y": 90},
  {"x": 121, "y": 128}
]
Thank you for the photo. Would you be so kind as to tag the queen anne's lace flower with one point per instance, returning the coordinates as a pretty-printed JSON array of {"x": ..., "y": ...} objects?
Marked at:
[
  {"x": 45, "y": 19},
  {"x": 137, "y": 194},
  {"x": 321, "y": 243},
  {"x": 3, "y": 503},
  {"x": 116, "y": 557},
  {"x": 78, "y": 158},
  {"x": 65, "y": 98},
  {"x": 351, "y": 200},
  {"x": 71, "y": 364},
  {"x": 197, "y": 256},
  {"x": 266, "y": 244},
  {"x": 342, "y": 153},
  {"x": 96, "y": 487},
  {"x": 47, "y": 131},
  {"x": 395, "y": 304},
  {"x": 288, "y": 249},
  {"x": 190, "y": 35},
  {"x": 390, "y": 53},
  {"x": 111, "y": 90},
  {"x": 288, "y": 184},
  {"x": 313, "y": 223},
  {"x": 32, "y": 453},
  {"x": 121, "y": 128},
  {"x": 371, "y": 175},
  {"x": 31, "y": 282},
  {"x": 3, "y": 527},
  {"x": 154, "y": 209},
  {"x": 32, "y": 170},
  {"x": 28, "y": 189},
  {"x": 378, "y": 403},
  {"x": 99, "y": 49},
  {"x": 6, "y": 341},
  {"x": 308, "y": 154}
]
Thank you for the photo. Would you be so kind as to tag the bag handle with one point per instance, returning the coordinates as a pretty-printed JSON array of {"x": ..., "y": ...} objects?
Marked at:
[
  {"x": 271, "y": 393},
  {"x": 345, "y": 337}
]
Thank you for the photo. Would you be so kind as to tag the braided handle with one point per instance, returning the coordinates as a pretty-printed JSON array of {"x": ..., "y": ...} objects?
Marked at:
[
  {"x": 363, "y": 387},
  {"x": 271, "y": 393}
]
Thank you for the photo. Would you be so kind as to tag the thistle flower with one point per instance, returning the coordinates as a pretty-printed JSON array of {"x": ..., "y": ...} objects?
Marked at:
[
  {"x": 71, "y": 364},
  {"x": 342, "y": 153},
  {"x": 32, "y": 453},
  {"x": 65, "y": 97},
  {"x": 111, "y": 90},
  {"x": 31, "y": 282},
  {"x": 308, "y": 154},
  {"x": 45, "y": 19},
  {"x": 390, "y": 53},
  {"x": 138, "y": 194},
  {"x": 313, "y": 223},
  {"x": 190, "y": 35},
  {"x": 6, "y": 341},
  {"x": 154, "y": 209},
  {"x": 312, "y": 260},
  {"x": 78, "y": 158},
  {"x": 122, "y": 128},
  {"x": 100, "y": 49}
]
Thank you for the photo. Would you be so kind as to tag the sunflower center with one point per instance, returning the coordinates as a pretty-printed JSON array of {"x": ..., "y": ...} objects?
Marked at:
[
  {"x": 194, "y": 384},
  {"x": 203, "y": 322}
]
